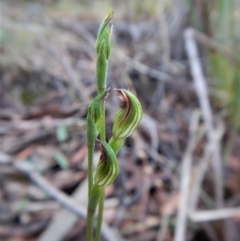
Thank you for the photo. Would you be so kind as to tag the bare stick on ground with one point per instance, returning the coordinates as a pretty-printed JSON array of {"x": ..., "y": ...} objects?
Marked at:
[
  {"x": 185, "y": 180},
  {"x": 52, "y": 191},
  {"x": 201, "y": 89}
]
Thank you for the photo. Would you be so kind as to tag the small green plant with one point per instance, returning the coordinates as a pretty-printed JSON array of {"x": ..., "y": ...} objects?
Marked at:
[{"x": 126, "y": 121}]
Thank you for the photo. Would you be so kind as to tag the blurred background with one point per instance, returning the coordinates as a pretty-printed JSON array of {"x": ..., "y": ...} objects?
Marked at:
[{"x": 179, "y": 171}]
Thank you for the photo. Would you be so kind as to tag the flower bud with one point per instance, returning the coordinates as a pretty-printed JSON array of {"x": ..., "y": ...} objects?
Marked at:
[
  {"x": 129, "y": 115},
  {"x": 103, "y": 45},
  {"x": 103, "y": 49},
  {"x": 107, "y": 168},
  {"x": 101, "y": 71}
]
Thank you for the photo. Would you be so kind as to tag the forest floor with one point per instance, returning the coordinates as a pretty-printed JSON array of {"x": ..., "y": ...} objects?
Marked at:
[{"x": 173, "y": 165}]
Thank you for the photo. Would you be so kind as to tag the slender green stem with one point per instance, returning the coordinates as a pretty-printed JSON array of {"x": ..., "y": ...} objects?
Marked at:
[
  {"x": 100, "y": 216},
  {"x": 91, "y": 135},
  {"x": 101, "y": 200},
  {"x": 90, "y": 219},
  {"x": 96, "y": 193},
  {"x": 90, "y": 170},
  {"x": 90, "y": 214}
]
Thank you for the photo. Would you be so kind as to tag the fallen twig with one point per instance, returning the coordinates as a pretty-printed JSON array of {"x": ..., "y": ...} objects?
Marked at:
[
  {"x": 53, "y": 192},
  {"x": 214, "y": 137},
  {"x": 202, "y": 169},
  {"x": 201, "y": 89},
  {"x": 185, "y": 179},
  {"x": 212, "y": 215}
]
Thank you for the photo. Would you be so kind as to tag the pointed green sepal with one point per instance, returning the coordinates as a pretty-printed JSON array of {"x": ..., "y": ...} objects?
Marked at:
[
  {"x": 92, "y": 132},
  {"x": 107, "y": 168},
  {"x": 95, "y": 109}
]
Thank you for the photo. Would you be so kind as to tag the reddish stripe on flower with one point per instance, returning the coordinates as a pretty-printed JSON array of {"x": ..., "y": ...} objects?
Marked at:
[{"x": 126, "y": 104}]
